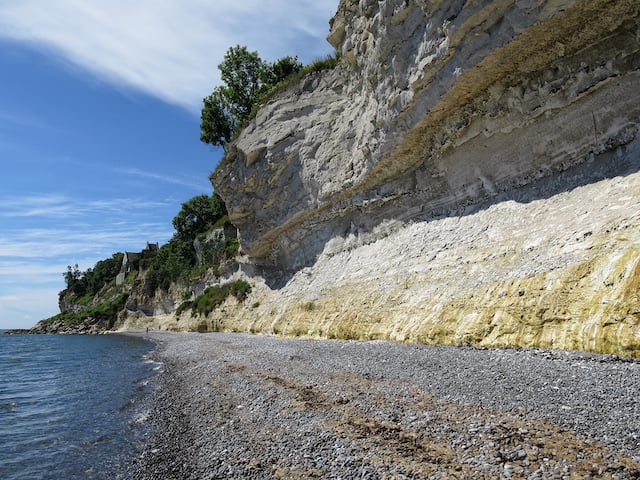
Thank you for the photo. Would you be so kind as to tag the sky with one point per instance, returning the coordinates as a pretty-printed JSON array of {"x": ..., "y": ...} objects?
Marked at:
[{"x": 100, "y": 124}]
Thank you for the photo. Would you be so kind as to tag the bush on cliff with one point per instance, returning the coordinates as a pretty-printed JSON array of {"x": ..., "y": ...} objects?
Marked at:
[
  {"x": 103, "y": 314},
  {"x": 174, "y": 260},
  {"x": 215, "y": 296},
  {"x": 319, "y": 64}
]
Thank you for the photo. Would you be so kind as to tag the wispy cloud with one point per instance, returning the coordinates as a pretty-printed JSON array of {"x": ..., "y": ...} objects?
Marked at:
[
  {"x": 12, "y": 272},
  {"x": 195, "y": 184},
  {"x": 68, "y": 243},
  {"x": 60, "y": 206},
  {"x": 166, "y": 48},
  {"x": 36, "y": 206},
  {"x": 31, "y": 259},
  {"x": 24, "y": 120},
  {"x": 32, "y": 263},
  {"x": 72, "y": 229}
]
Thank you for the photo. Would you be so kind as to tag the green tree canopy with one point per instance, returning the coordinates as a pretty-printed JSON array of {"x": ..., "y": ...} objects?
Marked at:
[
  {"x": 244, "y": 74},
  {"x": 217, "y": 124},
  {"x": 173, "y": 261},
  {"x": 197, "y": 215},
  {"x": 246, "y": 79},
  {"x": 177, "y": 258},
  {"x": 93, "y": 279}
]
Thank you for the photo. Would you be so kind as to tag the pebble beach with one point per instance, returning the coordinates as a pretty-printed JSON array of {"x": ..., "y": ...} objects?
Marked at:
[{"x": 240, "y": 406}]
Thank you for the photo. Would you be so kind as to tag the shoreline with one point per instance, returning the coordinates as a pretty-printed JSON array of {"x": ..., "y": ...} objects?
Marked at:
[{"x": 242, "y": 406}]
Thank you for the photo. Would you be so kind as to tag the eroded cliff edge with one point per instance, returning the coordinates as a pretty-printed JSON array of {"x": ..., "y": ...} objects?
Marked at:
[{"x": 467, "y": 174}]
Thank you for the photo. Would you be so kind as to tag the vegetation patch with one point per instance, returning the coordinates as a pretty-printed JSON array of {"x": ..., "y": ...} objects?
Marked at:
[
  {"x": 308, "y": 306},
  {"x": 249, "y": 82},
  {"x": 85, "y": 285},
  {"x": 177, "y": 259},
  {"x": 215, "y": 296},
  {"x": 183, "y": 307},
  {"x": 326, "y": 63},
  {"x": 104, "y": 313}
]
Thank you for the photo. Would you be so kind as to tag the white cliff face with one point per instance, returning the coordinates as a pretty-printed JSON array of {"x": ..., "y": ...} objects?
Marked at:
[
  {"x": 436, "y": 107},
  {"x": 554, "y": 265}
]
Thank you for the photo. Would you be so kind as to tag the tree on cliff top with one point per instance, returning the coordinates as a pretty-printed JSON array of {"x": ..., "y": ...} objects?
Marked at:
[
  {"x": 246, "y": 79},
  {"x": 197, "y": 215}
]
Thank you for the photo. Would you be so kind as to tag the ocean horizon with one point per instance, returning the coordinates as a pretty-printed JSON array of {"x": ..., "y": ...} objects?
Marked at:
[{"x": 72, "y": 406}]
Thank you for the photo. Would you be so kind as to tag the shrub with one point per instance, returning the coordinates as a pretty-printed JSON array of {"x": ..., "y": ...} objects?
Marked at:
[
  {"x": 184, "y": 306},
  {"x": 240, "y": 289},
  {"x": 215, "y": 296},
  {"x": 308, "y": 306},
  {"x": 104, "y": 313},
  {"x": 173, "y": 261},
  {"x": 326, "y": 63},
  {"x": 231, "y": 248}
]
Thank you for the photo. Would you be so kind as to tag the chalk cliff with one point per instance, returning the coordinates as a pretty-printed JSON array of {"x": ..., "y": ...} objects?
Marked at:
[{"x": 468, "y": 173}]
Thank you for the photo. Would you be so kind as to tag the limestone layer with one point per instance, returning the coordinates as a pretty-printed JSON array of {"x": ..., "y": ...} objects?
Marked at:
[
  {"x": 557, "y": 270},
  {"x": 467, "y": 174}
]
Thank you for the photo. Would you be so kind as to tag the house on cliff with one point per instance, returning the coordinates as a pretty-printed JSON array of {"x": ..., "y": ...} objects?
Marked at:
[{"x": 130, "y": 258}]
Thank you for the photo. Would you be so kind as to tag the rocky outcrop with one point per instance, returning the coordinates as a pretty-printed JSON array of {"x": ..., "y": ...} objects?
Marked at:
[
  {"x": 89, "y": 326},
  {"x": 159, "y": 302},
  {"x": 526, "y": 110}
]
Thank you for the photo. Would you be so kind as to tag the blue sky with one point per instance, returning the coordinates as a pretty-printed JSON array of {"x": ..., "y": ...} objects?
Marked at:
[{"x": 99, "y": 124}]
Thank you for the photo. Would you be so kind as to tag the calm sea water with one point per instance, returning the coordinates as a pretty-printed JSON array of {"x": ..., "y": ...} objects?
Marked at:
[{"x": 71, "y": 406}]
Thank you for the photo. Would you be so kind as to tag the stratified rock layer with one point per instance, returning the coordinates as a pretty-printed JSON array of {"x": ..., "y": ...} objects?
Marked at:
[{"x": 467, "y": 174}]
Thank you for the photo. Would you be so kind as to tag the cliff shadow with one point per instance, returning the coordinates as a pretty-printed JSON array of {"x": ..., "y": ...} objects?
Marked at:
[{"x": 359, "y": 224}]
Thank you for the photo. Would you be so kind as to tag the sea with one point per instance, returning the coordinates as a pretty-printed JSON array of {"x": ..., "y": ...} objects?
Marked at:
[{"x": 72, "y": 406}]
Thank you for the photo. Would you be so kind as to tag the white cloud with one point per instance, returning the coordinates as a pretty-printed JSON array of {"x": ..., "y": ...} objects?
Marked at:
[
  {"x": 32, "y": 262},
  {"x": 167, "y": 48},
  {"x": 199, "y": 184},
  {"x": 12, "y": 272},
  {"x": 36, "y": 206},
  {"x": 60, "y": 206},
  {"x": 70, "y": 231},
  {"x": 69, "y": 243}
]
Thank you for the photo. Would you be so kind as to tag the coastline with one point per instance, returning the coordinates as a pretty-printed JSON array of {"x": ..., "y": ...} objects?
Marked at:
[
  {"x": 242, "y": 406},
  {"x": 72, "y": 406}
]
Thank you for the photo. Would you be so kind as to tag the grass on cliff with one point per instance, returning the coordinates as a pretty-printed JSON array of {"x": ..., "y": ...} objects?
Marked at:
[
  {"x": 325, "y": 63},
  {"x": 215, "y": 296}
]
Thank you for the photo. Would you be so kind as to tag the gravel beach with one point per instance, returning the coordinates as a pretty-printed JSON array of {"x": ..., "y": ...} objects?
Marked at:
[{"x": 241, "y": 406}]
